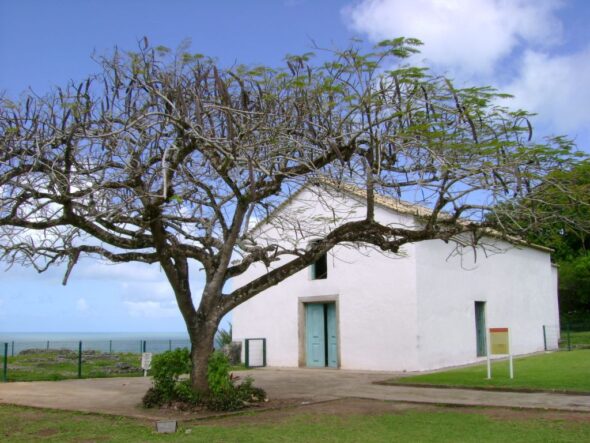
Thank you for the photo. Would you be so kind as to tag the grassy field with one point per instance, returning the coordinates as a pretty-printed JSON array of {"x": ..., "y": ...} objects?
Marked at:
[
  {"x": 559, "y": 371},
  {"x": 432, "y": 424},
  {"x": 578, "y": 339},
  {"x": 61, "y": 364}
]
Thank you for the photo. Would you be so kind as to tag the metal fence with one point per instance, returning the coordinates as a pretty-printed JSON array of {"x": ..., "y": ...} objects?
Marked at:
[
  {"x": 155, "y": 346},
  {"x": 575, "y": 335},
  {"x": 61, "y": 359}
]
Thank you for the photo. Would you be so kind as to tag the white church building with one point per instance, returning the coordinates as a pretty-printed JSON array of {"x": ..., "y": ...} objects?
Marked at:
[{"x": 428, "y": 307}]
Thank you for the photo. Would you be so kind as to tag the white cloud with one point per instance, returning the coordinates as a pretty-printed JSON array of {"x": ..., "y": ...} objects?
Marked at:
[
  {"x": 468, "y": 36},
  {"x": 127, "y": 272},
  {"x": 147, "y": 291},
  {"x": 152, "y": 309},
  {"x": 555, "y": 88},
  {"x": 153, "y": 299},
  {"x": 82, "y": 305}
]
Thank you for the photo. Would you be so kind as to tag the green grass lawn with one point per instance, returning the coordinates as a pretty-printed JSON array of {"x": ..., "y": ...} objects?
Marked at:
[
  {"x": 560, "y": 371},
  {"x": 56, "y": 364},
  {"x": 440, "y": 424},
  {"x": 578, "y": 339},
  {"x": 62, "y": 364}
]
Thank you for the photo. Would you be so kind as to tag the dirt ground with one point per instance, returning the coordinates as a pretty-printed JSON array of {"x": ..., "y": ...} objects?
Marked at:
[
  {"x": 346, "y": 407},
  {"x": 285, "y": 388}
]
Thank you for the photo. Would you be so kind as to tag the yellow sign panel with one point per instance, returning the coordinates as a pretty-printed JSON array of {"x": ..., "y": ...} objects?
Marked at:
[{"x": 499, "y": 344}]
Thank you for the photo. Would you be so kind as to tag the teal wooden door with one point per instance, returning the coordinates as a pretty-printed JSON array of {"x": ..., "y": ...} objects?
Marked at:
[
  {"x": 331, "y": 335},
  {"x": 480, "y": 328},
  {"x": 315, "y": 346}
]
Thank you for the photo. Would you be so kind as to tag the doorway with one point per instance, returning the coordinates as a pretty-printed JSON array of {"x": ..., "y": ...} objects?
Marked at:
[
  {"x": 480, "y": 328},
  {"x": 321, "y": 336}
]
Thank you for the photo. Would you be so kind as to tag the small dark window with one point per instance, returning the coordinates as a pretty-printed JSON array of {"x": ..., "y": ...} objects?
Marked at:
[{"x": 319, "y": 269}]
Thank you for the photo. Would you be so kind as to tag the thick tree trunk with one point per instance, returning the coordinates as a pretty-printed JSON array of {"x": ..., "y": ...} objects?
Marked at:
[{"x": 202, "y": 337}]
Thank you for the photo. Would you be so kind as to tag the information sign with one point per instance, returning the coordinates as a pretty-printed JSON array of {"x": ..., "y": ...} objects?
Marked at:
[{"x": 499, "y": 344}]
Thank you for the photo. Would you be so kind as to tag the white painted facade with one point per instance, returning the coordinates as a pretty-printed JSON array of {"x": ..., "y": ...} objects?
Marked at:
[{"x": 411, "y": 312}]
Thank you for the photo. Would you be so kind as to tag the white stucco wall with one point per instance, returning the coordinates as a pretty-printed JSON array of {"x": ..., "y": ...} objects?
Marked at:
[
  {"x": 518, "y": 286},
  {"x": 411, "y": 313},
  {"x": 376, "y": 307}
]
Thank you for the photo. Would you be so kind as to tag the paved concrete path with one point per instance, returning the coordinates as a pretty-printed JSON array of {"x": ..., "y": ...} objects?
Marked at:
[{"x": 122, "y": 396}]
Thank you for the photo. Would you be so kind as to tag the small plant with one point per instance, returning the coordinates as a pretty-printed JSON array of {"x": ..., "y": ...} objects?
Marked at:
[
  {"x": 223, "y": 337},
  {"x": 218, "y": 374},
  {"x": 166, "y": 370},
  {"x": 183, "y": 392},
  {"x": 224, "y": 394},
  {"x": 153, "y": 398}
]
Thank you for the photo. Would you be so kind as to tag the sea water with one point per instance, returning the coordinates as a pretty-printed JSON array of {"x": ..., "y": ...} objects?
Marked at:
[{"x": 135, "y": 342}]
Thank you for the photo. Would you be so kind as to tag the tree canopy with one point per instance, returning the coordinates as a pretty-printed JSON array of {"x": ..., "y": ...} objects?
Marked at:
[
  {"x": 563, "y": 199},
  {"x": 167, "y": 157}
]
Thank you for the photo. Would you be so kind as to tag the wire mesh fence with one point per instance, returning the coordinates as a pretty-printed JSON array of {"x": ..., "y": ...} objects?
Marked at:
[
  {"x": 106, "y": 346},
  {"x": 575, "y": 335},
  {"x": 551, "y": 336},
  {"x": 63, "y": 359}
]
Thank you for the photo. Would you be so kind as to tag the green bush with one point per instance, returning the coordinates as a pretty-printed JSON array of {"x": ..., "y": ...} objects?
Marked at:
[
  {"x": 224, "y": 394},
  {"x": 183, "y": 391},
  {"x": 166, "y": 370},
  {"x": 236, "y": 397},
  {"x": 223, "y": 337},
  {"x": 218, "y": 375},
  {"x": 153, "y": 398}
]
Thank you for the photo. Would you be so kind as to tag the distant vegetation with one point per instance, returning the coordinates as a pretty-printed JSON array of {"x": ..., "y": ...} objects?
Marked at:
[{"x": 61, "y": 364}]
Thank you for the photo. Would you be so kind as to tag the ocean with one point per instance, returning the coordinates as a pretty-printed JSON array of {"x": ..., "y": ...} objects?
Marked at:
[{"x": 135, "y": 342}]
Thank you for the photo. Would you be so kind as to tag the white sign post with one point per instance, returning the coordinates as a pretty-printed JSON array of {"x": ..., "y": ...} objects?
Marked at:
[
  {"x": 146, "y": 362},
  {"x": 499, "y": 343}
]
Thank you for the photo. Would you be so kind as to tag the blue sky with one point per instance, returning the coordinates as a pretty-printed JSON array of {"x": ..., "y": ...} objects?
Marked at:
[{"x": 539, "y": 50}]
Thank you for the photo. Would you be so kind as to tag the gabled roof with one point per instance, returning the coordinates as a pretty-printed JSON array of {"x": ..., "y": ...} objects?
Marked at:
[{"x": 387, "y": 202}]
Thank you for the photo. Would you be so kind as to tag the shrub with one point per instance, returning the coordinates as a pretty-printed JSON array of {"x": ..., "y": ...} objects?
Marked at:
[
  {"x": 236, "y": 397},
  {"x": 224, "y": 394},
  {"x": 183, "y": 392},
  {"x": 218, "y": 375},
  {"x": 224, "y": 337},
  {"x": 166, "y": 370},
  {"x": 153, "y": 398}
]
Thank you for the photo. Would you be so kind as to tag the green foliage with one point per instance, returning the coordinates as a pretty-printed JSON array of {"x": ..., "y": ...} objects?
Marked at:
[
  {"x": 62, "y": 364},
  {"x": 574, "y": 283},
  {"x": 224, "y": 394},
  {"x": 218, "y": 375},
  {"x": 166, "y": 370},
  {"x": 183, "y": 391},
  {"x": 153, "y": 398},
  {"x": 556, "y": 214},
  {"x": 235, "y": 397},
  {"x": 223, "y": 337}
]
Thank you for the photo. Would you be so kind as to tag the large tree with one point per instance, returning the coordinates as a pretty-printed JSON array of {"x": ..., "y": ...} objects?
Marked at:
[
  {"x": 557, "y": 215},
  {"x": 168, "y": 157}
]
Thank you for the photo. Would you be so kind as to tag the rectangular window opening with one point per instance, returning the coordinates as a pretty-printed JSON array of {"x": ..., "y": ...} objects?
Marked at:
[
  {"x": 319, "y": 268},
  {"x": 480, "y": 328}
]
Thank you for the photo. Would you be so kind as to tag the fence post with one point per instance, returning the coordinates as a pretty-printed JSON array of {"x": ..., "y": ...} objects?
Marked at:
[
  {"x": 544, "y": 337},
  {"x": 47, "y": 345},
  {"x": 143, "y": 346},
  {"x": 247, "y": 352},
  {"x": 5, "y": 365},
  {"x": 80, "y": 359},
  {"x": 569, "y": 336},
  {"x": 12, "y": 353}
]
